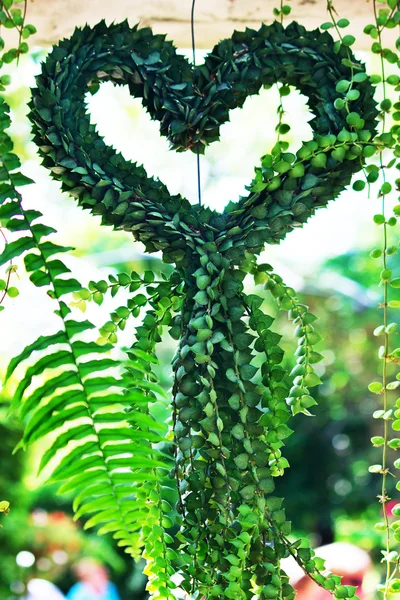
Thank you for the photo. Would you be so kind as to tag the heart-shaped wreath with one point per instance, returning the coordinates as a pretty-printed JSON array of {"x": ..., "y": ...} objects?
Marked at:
[
  {"x": 191, "y": 105},
  {"x": 229, "y": 423}
]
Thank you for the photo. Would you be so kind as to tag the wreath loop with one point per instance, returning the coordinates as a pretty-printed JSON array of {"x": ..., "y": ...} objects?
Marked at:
[{"x": 191, "y": 105}]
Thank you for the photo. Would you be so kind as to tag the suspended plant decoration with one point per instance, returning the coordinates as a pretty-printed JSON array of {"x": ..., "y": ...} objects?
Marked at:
[{"x": 227, "y": 533}]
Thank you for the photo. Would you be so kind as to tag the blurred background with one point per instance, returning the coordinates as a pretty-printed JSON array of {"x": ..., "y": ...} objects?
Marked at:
[{"x": 330, "y": 496}]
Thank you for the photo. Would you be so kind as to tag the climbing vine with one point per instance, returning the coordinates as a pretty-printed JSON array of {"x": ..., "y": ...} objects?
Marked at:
[
  {"x": 12, "y": 16},
  {"x": 385, "y": 174},
  {"x": 382, "y": 170},
  {"x": 193, "y": 492}
]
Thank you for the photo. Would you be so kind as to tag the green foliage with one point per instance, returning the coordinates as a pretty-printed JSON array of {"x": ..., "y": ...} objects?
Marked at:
[
  {"x": 389, "y": 382},
  {"x": 83, "y": 401},
  {"x": 12, "y": 18},
  {"x": 229, "y": 415},
  {"x": 387, "y": 16},
  {"x": 218, "y": 445},
  {"x": 191, "y": 105},
  {"x": 163, "y": 295},
  {"x": 103, "y": 449}
]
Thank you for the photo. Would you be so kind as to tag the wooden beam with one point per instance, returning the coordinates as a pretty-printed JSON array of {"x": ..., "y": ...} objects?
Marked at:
[{"x": 215, "y": 19}]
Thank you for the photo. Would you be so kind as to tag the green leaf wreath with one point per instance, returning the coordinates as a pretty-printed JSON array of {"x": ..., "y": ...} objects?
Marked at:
[{"x": 193, "y": 495}]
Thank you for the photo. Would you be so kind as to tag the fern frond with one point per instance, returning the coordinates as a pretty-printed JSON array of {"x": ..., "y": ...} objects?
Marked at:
[
  {"x": 99, "y": 445},
  {"x": 75, "y": 395},
  {"x": 106, "y": 445}
]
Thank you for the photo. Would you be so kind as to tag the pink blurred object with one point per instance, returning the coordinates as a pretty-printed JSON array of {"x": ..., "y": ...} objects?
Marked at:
[
  {"x": 93, "y": 574},
  {"x": 343, "y": 559},
  {"x": 389, "y": 507},
  {"x": 93, "y": 582}
]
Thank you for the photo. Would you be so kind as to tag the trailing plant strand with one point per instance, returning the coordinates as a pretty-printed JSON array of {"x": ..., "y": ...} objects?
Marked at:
[{"x": 388, "y": 16}]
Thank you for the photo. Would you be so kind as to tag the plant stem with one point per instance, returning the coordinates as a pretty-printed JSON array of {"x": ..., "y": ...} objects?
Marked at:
[
  {"x": 384, "y": 497},
  {"x": 385, "y": 468}
]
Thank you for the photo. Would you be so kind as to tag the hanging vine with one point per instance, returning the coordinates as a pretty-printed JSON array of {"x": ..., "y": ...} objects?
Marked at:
[
  {"x": 385, "y": 174},
  {"x": 221, "y": 447},
  {"x": 228, "y": 428},
  {"x": 12, "y": 16}
]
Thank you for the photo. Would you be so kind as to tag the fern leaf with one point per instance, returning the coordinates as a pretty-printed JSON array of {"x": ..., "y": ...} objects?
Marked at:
[
  {"x": 33, "y": 400},
  {"x": 41, "y": 423},
  {"x": 100, "y": 448},
  {"x": 42, "y": 343},
  {"x": 49, "y": 248},
  {"x": 73, "y": 434},
  {"x": 52, "y": 361},
  {"x": 14, "y": 249},
  {"x": 80, "y": 406},
  {"x": 76, "y": 327}
]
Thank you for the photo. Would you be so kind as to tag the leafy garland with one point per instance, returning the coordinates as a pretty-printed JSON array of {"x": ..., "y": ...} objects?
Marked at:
[
  {"x": 191, "y": 104},
  {"x": 228, "y": 533}
]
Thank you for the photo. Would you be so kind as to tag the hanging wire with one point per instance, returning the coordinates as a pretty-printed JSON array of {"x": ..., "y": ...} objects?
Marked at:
[
  {"x": 194, "y": 64},
  {"x": 192, "y": 29}
]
